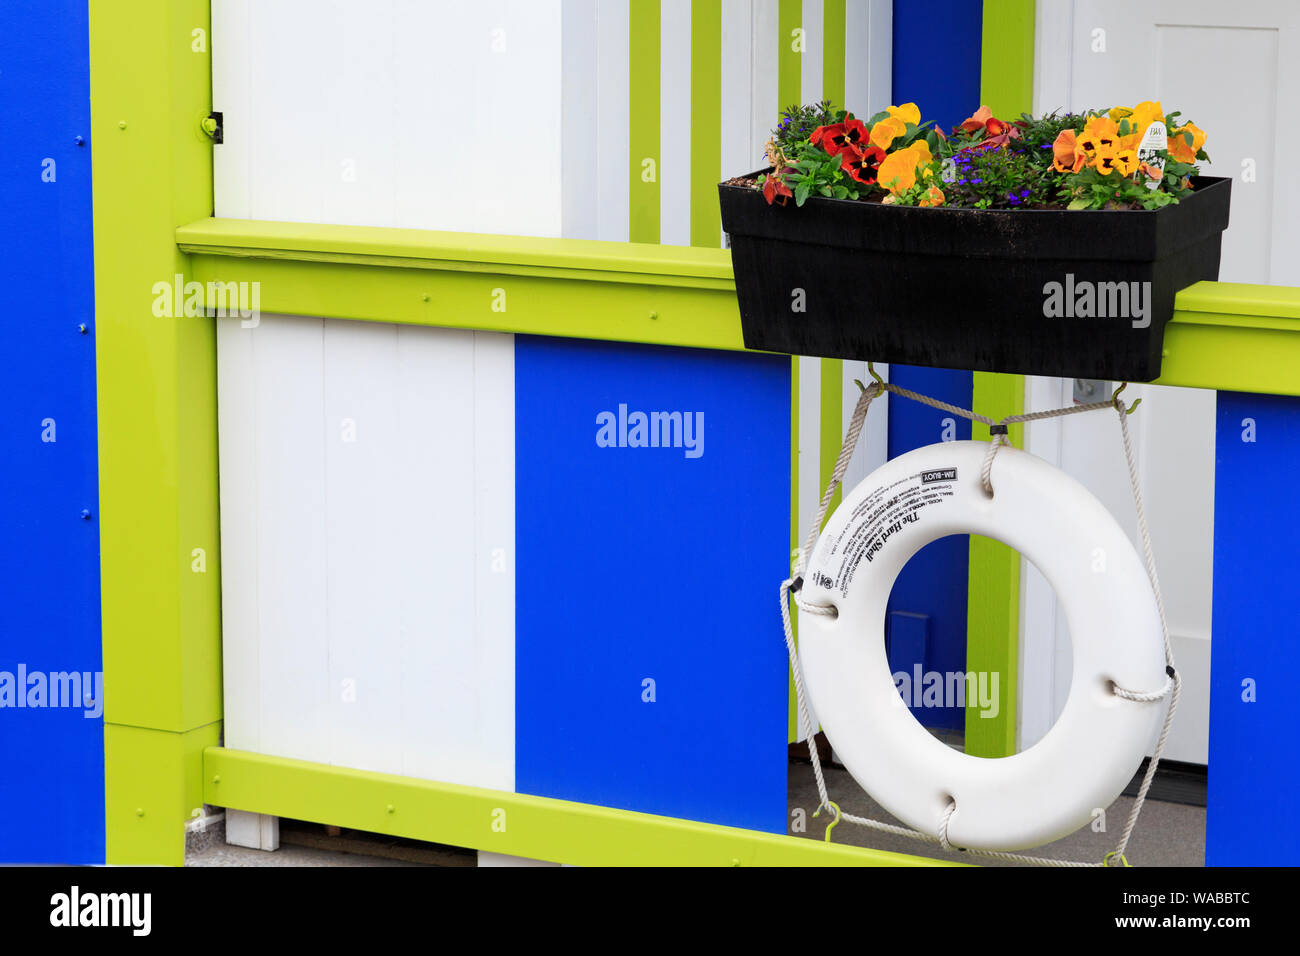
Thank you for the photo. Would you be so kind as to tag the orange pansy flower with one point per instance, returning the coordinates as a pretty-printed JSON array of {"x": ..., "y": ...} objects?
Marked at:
[
  {"x": 898, "y": 171},
  {"x": 1179, "y": 151},
  {"x": 1066, "y": 156},
  {"x": 1099, "y": 133},
  {"x": 977, "y": 119},
  {"x": 933, "y": 197}
]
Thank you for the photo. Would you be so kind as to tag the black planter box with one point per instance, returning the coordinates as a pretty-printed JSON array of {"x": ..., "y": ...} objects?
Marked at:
[{"x": 969, "y": 288}]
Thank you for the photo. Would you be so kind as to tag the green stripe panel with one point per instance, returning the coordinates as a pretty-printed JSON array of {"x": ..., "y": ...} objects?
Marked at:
[
  {"x": 1007, "y": 67},
  {"x": 643, "y": 120},
  {"x": 788, "y": 81},
  {"x": 788, "y": 59},
  {"x": 831, "y": 426},
  {"x": 833, "y": 32},
  {"x": 706, "y": 121},
  {"x": 993, "y": 608}
]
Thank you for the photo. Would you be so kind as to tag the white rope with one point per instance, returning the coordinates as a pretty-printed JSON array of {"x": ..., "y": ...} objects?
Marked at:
[{"x": 793, "y": 585}]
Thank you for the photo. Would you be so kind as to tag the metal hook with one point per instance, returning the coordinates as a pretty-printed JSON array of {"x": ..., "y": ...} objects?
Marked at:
[
  {"x": 874, "y": 374},
  {"x": 834, "y": 823},
  {"x": 1114, "y": 400}
]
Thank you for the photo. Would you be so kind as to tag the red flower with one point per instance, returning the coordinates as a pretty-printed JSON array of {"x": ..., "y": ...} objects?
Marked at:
[
  {"x": 776, "y": 189},
  {"x": 860, "y": 162},
  {"x": 996, "y": 132},
  {"x": 840, "y": 136}
]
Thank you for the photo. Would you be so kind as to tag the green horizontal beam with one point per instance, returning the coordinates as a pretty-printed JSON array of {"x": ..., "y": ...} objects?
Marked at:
[
  {"x": 517, "y": 824},
  {"x": 461, "y": 251},
  {"x": 1234, "y": 337},
  {"x": 1223, "y": 335}
]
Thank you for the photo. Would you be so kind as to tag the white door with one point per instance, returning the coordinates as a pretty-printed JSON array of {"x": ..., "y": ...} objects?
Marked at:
[{"x": 1234, "y": 70}]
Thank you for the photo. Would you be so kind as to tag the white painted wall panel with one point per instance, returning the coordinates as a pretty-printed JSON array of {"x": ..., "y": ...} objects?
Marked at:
[
  {"x": 390, "y": 112},
  {"x": 367, "y": 498}
]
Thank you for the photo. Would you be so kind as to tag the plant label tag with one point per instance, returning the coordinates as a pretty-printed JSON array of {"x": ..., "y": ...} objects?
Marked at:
[{"x": 1156, "y": 138}]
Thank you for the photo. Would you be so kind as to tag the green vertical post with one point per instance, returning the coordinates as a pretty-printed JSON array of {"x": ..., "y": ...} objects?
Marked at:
[
  {"x": 788, "y": 85},
  {"x": 643, "y": 120},
  {"x": 151, "y": 76},
  {"x": 993, "y": 595}
]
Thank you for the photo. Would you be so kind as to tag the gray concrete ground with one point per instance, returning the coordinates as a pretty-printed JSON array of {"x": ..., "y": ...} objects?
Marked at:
[{"x": 1167, "y": 834}]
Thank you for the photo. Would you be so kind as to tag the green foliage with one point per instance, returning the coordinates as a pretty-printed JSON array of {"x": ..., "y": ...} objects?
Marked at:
[
  {"x": 817, "y": 173},
  {"x": 798, "y": 122},
  {"x": 997, "y": 178}
]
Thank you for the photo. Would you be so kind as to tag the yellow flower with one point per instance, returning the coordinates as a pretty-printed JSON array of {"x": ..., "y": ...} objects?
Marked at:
[
  {"x": 897, "y": 172},
  {"x": 886, "y": 131},
  {"x": 1144, "y": 114},
  {"x": 1126, "y": 161},
  {"x": 1119, "y": 112},
  {"x": 908, "y": 113},
  {"x": 1179, "y": 151}
]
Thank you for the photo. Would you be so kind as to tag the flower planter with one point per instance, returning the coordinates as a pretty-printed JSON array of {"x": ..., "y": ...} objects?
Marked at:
[{"x": 1080, "y": 294}]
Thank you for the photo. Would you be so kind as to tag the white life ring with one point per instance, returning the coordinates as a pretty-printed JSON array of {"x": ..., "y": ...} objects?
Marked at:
[{"x": 1086, "y": 759}]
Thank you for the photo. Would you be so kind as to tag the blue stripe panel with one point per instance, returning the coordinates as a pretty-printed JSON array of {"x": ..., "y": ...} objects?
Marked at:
[
  {"x": 933, "y": 583},
  {"x": 944, "y": 82},
  {"x": 52, "y": 774},
  {"x": 1255, "y": 654},
  {"x": 661, "y": 564}
]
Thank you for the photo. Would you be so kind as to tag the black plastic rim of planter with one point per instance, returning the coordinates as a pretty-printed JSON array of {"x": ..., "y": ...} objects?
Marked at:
[{"x": 1075, "y": 294}]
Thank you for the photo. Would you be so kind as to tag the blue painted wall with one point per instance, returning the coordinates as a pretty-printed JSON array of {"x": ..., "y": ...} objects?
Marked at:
[
  {"x": 936, "y": 65},
  {"x": 1255, "y": 653},
  {"x": 51, "y": 758},
  {"x": 642, "y": 563}
]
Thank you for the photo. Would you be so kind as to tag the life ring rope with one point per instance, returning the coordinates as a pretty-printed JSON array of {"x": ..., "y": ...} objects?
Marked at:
[{"x": 791, "y": 590}]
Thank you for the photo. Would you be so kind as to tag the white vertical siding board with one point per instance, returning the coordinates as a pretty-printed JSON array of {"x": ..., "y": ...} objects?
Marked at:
[
  {"x": 868, "y": 26},
  {"x": 290, "y": 507},
  {"x": 810, "y": 62},
  {"x": 675, "y": 123},
  {"x": 435, "y": 573},
  {"x": 873, "y": 442},
  {"x": 766, "y": 107},
  {"x": 364, "y": 522},
  {"x": 494, "y": 557},
  {"x": 810, "y": 403},
  {"x": 236, "y": 417},
  {"x": 738, "y": 154},
  {"x": 231, "y": 96},
  {"x": 611, "y": 120},
  {"x": 288, "y": 117},
  {"x": 578, "y": 111}
]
